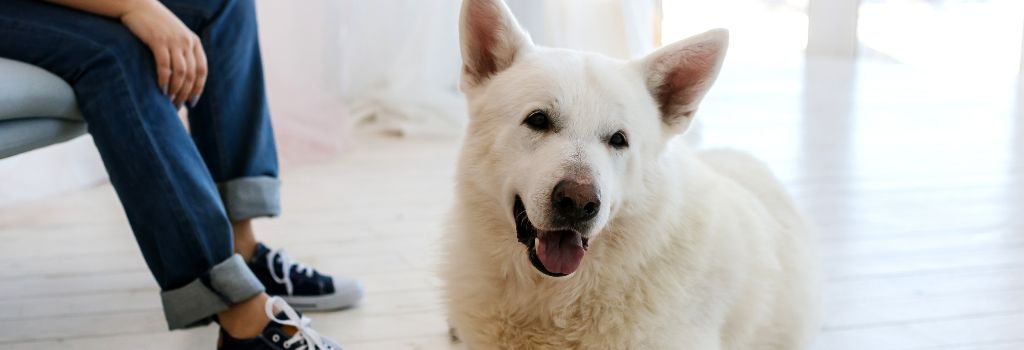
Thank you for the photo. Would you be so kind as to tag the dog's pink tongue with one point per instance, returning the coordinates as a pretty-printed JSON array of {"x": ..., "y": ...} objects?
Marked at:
[{"x": 561, "y": 252}]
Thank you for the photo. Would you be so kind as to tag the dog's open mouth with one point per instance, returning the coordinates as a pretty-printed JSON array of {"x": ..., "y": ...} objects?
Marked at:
[{"x": 554, "y": 253}]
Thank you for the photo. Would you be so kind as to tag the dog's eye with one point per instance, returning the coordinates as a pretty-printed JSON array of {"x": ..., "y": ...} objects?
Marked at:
[
  {"x": 538, "y": 120},
  {"x": 618, "y": 140}
]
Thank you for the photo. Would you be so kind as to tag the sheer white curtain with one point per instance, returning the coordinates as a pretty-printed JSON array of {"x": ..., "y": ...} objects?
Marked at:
[
  {"x": 400, "y": 58},
  {"x": 400, "y": 65},
  {"x": 618, "y": 28}
]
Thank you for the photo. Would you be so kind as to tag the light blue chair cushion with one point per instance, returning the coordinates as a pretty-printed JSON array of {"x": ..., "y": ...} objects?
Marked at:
[{"x": 37, "y": 109}]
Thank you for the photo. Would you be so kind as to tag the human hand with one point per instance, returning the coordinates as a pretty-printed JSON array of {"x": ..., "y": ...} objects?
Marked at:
[{"x": 180, "y": 60}]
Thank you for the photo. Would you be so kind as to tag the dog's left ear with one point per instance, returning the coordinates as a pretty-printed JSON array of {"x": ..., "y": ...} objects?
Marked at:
[{"x": 679, "y": 75}]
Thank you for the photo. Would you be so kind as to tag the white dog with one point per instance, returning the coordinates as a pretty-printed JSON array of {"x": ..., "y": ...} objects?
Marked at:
[{"x": 578, "y": 226}]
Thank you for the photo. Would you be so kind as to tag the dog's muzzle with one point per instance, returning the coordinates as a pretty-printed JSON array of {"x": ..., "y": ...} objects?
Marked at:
[{"x": 555, "y": 253}]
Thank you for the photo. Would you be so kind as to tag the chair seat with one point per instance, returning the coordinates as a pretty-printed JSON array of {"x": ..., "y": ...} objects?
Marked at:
[
  {"x": 22, "y": 135},
  {"x": 37, "y": 109}
]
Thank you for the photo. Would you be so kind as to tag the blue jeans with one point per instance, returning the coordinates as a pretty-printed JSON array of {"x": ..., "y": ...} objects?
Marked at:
[{"x": 179, "y": 189}]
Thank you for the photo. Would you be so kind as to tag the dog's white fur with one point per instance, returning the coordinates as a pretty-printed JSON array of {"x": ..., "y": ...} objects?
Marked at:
[{"x": 690, "y": 250}]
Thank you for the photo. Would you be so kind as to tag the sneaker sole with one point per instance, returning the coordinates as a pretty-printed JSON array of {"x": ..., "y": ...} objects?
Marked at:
[
  {"x": 327, "y": 302},
  {"x": 317, "y": 303}
]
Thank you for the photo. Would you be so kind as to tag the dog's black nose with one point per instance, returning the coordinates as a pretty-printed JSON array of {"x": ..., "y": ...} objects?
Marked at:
[{"x": 575, "y": 202}]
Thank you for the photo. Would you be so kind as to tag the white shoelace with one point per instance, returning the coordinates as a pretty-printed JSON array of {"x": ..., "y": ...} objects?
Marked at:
[
  {"x": 286, "y": 264},
  {"x": 309, "y": 338}
]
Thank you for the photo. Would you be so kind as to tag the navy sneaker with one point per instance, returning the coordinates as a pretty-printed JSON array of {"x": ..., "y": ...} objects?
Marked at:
[
  {"x": 302, "y": 286},
  {"x": 286, "y": 330}
]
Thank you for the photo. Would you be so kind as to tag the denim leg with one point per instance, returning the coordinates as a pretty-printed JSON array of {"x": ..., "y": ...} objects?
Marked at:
[
  {"x": 231, "y": 123},
  {"x": 169, "y": 196}
]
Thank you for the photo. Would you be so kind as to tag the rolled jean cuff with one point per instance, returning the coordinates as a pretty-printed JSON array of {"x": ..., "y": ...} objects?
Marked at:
[
  {"x": 250, "y": 197},
  {"x": 227, "y": 283}
]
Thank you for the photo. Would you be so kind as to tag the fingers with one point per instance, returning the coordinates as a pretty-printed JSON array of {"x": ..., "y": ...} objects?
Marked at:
[
  {"x": 163, "y": 68},
  {"x": 201, "y": 70},
  {"x": 189, "y": 77},
  {"x": 179, "y": 65},
  {"x": 181, "y": 70}
]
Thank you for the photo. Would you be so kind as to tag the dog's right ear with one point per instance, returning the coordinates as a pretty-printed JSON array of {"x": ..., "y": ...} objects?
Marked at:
[{"x": 491, "y": 40}]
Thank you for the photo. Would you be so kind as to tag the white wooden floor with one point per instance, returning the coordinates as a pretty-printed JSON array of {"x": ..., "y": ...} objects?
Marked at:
[{"x": 915, "y": 181}]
